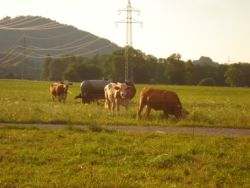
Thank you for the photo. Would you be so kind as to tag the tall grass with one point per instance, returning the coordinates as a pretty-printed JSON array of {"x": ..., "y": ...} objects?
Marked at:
[
  {"x": 30, "y": 102},
  {"x": 77, "y": 158}
]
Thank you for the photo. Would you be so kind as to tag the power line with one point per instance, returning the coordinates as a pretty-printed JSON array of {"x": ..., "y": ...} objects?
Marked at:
[
  {"x": 33, "y": 28},
  {"x": 13, "y": 24},
  {"x": 41, "y": 56},
  {"x": 25, "y": 51},
  {"x": 129, "y": 22},
  {"x": 52, "y": 37},
  {"x": 11, "y": 59},
  {"x": 18, "y": 21},
  {"x": 66, "y": 45},
  {"x": 44, "y": 26}
]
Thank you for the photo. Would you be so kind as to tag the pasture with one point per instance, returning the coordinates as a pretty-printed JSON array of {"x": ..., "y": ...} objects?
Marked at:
[
  {"x": 23, "y": 101},
  {"x": 75, "y": 158},
  {"x": 72, "y": 157}
]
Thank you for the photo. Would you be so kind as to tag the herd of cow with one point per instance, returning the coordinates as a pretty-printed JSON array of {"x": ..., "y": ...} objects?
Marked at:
[{"x": 116, "y": 94}]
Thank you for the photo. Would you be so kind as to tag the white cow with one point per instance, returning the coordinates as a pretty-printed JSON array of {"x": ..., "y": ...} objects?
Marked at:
[{"x": 116, "y": 94}]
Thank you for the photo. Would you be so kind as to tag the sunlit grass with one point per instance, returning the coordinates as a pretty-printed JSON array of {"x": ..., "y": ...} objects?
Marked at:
[
  {"x": 30, "y": 102},
  {"x": 75, "y": 158}
]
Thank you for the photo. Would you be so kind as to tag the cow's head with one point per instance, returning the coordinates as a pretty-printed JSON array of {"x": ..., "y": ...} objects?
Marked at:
[
  {"x": 131, "y": 89},
  {"x": 184, "y": 113},
  {"x": 122, "y": 89},
  {"x": 66, "y": 82}
]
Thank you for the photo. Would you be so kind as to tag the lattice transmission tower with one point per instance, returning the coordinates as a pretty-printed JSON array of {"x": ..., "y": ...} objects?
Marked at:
[{"x": 129, "y": 21}]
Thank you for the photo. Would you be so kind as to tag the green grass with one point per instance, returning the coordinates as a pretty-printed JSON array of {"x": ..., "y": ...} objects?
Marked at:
[
  {"x": 75, "y": 158},
  {"x": 24, "y": 101}
]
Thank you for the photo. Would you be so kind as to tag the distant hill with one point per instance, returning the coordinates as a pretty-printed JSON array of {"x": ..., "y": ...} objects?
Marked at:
[
  {"x": 205, "y": 61},
  {"x": 33, "y": 38}
]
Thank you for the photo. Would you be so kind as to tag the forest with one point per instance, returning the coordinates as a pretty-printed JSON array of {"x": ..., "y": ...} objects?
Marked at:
[{"x": 147, "y": 69}]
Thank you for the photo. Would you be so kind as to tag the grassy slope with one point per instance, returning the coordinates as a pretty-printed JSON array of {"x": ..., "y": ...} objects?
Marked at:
[
  {"x": 76, "y": 158},
  {"x": 30, "y": 102}
]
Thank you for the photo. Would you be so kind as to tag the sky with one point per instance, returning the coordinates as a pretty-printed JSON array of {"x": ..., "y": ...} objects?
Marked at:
[{"x": 219, "y": 29}]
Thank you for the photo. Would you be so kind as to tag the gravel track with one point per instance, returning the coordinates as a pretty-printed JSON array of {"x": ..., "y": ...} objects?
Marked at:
[{"x": 144, "y": 129}]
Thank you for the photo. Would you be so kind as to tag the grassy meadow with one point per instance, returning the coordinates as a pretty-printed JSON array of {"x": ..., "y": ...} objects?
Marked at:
[
  {"x": 72, "y": 157},
  {"x": 23, "y": 101}
]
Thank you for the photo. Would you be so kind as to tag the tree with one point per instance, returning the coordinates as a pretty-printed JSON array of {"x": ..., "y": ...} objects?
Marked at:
[
  {"x": 234, "y": 75},
  {"x": 57, "y": 68},
  {"x": 174, "y": 57},
  {"x": 238, "y": 75},
  {"x": 71, "y": 73},
  {"x": 117, "y": 66},
  {"x": 190, "y": 73},
  {"x": 219, "y": 75},
  {"x": 46, "y": 68},
  {"x": 207, "y": 82},
  {"x": 175, "y": 70},
  {"x": 83, "y": 71}
]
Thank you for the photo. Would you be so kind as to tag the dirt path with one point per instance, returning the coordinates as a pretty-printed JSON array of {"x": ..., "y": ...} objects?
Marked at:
[{"x": 143, "y": 129}]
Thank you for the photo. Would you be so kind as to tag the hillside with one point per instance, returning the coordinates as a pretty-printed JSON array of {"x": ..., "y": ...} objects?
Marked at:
[
  {"x": 205, "y": 61},
  {"x": 27, "y": 40}
]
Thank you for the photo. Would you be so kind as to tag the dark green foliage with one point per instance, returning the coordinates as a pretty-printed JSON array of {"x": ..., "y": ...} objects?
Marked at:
[
  {"x": 147, "y": 69},
  {"x": 175, "y": 70},
  {"x": 46, "y": 69},
  {"x": 238, "y": 75},
  {"x": 56, "y": 68},
  {"x": 207, "y": 82}
]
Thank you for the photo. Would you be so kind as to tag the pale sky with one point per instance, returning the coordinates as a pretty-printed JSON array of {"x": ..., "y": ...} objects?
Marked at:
[{"x": 219, "y": 29}]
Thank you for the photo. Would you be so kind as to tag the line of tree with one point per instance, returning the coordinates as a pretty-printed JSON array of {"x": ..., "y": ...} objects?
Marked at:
[{"x": 147, "y": 69}]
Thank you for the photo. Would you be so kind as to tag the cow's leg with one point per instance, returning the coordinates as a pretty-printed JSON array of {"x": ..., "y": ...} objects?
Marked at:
[
  {"x": 126, "y": 106},
  {"x": 177, "y": 115},
  {"x": 166, "y": 114},
  {"x": 61, "y": 98},
  {"x": 148, "y": 110},
  {"x": 117, "y": 106},
  {"x": 113, "y": 106},
  {"x": 140, "y": 109},
  {"x": 64, "y": 98},
  {"x": 107, "y": 104}
]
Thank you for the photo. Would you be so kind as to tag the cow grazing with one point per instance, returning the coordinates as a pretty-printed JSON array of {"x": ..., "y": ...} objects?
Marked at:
[
  {"x": 117, "y": 94},
  {"x": 60, "y": 90},
  {"x": 164, "y": 100},
  {"x": 92, "y": 90}
]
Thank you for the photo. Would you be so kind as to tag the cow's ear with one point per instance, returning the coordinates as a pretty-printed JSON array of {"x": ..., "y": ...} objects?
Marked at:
[{"x": 117, "y": 88}]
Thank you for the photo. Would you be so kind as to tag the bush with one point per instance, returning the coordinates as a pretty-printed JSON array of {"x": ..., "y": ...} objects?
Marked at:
[{"x": 207, "y": 82}]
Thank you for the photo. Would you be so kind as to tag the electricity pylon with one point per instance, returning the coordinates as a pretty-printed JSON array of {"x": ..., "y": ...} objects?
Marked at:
[{"x": 129, "y": 22}]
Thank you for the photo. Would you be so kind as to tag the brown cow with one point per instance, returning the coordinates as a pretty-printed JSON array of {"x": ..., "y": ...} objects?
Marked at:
[
  {"x": 59, "y": 91},
  {"x": 164, "y": 100},
  {"x": 117, "y": 94}
]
